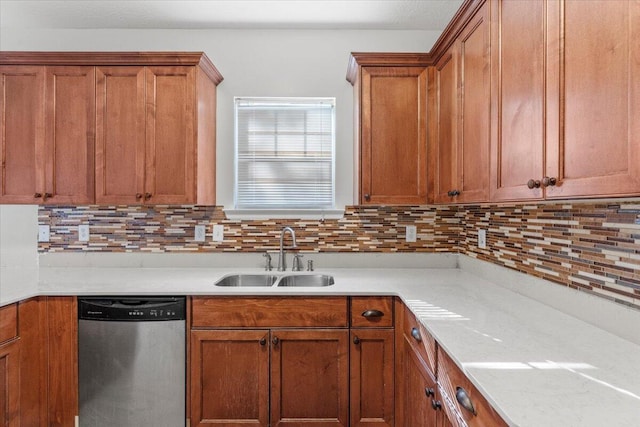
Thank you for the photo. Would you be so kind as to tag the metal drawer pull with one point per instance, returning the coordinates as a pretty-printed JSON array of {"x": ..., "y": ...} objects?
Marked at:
[
  {"x": 415, "y": 333},
  {"x": 464, "y": 400},
  {"x": 436, "y": 405},
  {"x": 430, "y": 392},
  {"x": 372, "y": 313}
]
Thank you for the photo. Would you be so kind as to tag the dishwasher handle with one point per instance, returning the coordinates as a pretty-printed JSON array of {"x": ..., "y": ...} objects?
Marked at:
[{"x": 132, "y": 308}]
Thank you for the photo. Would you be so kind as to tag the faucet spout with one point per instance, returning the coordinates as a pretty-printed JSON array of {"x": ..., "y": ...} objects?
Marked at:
[{"x": 282, "y": 261}]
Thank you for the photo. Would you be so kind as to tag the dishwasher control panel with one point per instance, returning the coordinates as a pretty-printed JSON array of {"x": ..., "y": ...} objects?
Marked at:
[{"x": 132, "y": 308}]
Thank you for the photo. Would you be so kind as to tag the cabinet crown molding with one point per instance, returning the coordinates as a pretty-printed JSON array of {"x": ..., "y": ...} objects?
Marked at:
[
  {"x": 385, "y": 59},
  {"x": 112, "y": 58}
]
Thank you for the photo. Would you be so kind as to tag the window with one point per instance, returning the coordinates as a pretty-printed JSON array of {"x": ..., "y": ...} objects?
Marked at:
[{"x": 284, "y": 154}]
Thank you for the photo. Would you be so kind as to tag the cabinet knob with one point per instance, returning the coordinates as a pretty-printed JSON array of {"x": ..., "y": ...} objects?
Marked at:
[
  {"x": 464, "y": 400},
  {"x": 415, "y": 333},
  {"x": 37, "y": 195},
  {"x": 147, "y": 196},
  {"x": 367, "y": 197},
  {"x": 263, "y": 341},
  {"x": 372, "y": 314},
  {"x": 138, "y": 196},
  {"x": 356, "y": 340},
  {"x": 453, "y": 193},
  {"x": 549, "y": 182},
  {"x": 275, "y": 340},
  {"x": 436, "y": 405},
  {"x": 430, "y": 392},
  {"x": 533, "y": 184},
  {"x": 47, "y": 196}
]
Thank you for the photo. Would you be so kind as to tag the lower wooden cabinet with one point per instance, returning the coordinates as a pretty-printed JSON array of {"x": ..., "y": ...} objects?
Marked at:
[
  {"x": 418, "y": 389},
  {"x": 10, "y": 383}
]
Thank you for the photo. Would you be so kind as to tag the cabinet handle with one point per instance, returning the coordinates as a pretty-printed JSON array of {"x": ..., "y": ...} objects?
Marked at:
[
  {"x": 533, "y": 184},
  {"x": 263, "y": 341},
  {"x": 436, "y": 405},
  {"x": 464, "y": 400},
  {"x": 415, "y": 333},
  {"x": 138, "y": 196},
  {"x": 147, "y": 196},
  {"x": 453, "y": 193},
  {"x": 356, "y": 340},
  {"x": 37, "y": 195},
  {"x": 372, "y": 313},
  {"x": 275, "y": 340},
  {"x": 430, "y": 392},
  {"x": 47, "y": 196},
  {"x": 367, "y": 197},
  {"x": 549, "y": 182}
]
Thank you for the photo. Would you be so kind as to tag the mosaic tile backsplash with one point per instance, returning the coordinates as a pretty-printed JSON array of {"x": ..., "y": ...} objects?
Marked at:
[{"x": 594, "y": 247}]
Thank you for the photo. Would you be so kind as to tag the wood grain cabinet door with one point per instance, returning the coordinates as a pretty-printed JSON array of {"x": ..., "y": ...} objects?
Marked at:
[
  {"x": 593, "y": 96},
  {"x": 517, "y": 98},
  {"x": 120, "y": 135},
  {"x": 417, "y": 391},
  {"x": 10, "y": 384},
  {"x": 70, "y": 135},
  {"x": 393, "y": 146},
  {"x": 230, "y": 378},
  {"x": 310, "y": 377},
  {"x": 22, "y": 175},
  {"x": 371, "y": 362},
  {"x": 170, "y": 135}
]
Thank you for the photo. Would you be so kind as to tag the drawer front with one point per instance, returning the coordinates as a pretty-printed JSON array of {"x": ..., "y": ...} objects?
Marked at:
[
  {"x": 372, "y": 312},
  {"x": 451, "y": 380},
  {"x": 420, "y": 339},
  {"x": 269, "y": 312},
  {"x": 8, "y": 322}
]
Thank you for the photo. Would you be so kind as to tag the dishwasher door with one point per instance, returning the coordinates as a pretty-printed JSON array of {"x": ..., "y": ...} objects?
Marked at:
[{"x": 132, "y": 372}]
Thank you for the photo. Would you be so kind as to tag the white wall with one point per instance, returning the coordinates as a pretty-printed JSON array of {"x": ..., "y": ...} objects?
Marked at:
[
  {"x": 253, "y": 63},
  {"x": 18, "y": 236}
]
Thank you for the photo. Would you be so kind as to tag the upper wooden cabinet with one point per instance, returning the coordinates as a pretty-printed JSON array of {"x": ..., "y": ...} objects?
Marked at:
[
  {"x": 566, "y": 114},
  {"x": 460, "y": 130},
  {"x": 116, "y": 128},
  {"x": 390, "y": 97}
]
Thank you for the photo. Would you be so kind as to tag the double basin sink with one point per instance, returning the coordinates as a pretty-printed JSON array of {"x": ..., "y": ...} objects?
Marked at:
[{"x": 267, "y": 279}]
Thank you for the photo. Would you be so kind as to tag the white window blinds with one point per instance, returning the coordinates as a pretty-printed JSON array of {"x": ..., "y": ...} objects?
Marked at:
[{"x": 284, "y": 153}]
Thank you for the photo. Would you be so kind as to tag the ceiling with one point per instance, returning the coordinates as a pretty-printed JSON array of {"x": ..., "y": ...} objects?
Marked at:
[{"x": 431, "y": 15}]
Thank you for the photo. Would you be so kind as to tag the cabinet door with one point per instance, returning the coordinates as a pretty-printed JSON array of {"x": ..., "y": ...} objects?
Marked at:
[
  {"x": 10, "y": 384},
  {"x": 418, "y": 389},
  {"x": 170, "y": 135},
  {"x": 230, "y": 377},
  {"x": 594, "y": 98},
  {"x": 310, "y": 377},
  {"x": 22, "y": 134},
  {"x": 70, "y": 135},
  {"x": 372, "y": 371},
  {"x": 393, "y": 145},
  {"x": 120, "y": 135},
  {"x": 518, "y": 98}
]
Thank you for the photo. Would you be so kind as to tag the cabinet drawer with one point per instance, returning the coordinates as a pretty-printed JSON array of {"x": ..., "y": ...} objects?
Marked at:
[
  {"x": 450, "y": 380},
  {"x": 270, "y": 312},
  {"x": 8, "y": 322},
  {"x": 372, "y": 312},
  {"x": 420, "y": 339}
]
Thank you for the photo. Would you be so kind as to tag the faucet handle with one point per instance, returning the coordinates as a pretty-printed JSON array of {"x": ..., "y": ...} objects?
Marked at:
[
  {"x": 310, "y": 265},
  {"x": 297, "y": 263},
  {"x": 267, "y": 266}
]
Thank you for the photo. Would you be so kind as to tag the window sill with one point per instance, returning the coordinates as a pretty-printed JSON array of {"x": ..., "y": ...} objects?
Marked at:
[{"x": 261, "y": 214}]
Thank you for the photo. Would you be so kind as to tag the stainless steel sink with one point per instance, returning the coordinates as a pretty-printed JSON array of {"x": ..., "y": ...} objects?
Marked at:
[
  {"x": 306, "y": 280},
  {"x": 247, "y": 280}
]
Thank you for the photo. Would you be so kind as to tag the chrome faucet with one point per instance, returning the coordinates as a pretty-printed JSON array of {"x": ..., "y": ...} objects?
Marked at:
[{"x": 282, "y": 261}]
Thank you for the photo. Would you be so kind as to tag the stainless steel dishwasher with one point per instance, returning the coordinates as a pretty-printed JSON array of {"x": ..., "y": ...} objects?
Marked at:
[{"x": 132, "y": 361}]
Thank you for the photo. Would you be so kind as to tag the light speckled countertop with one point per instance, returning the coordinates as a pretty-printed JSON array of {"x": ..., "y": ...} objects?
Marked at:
[{"x": 538, "y": 365}]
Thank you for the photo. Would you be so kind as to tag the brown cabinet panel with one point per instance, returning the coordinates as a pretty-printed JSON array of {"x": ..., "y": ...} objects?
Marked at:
[
  {"x": 269, "y": 312},
  {"x": 230, "y": 377},
  {"x": 392, "y": 129},
  {"x": 418, "y": 384},
  {"x": 369, "y": 312},
  {"x": 8, "y": 322},
  {"x": 22, "y": 134},
  {"x": 70, "y": 135},
  {"x": 372, "y": 383},
  {"x": 170, "y": 134},
  {"x": 310, "y": 377},
  {"x": 447, "y": 125},
  {"x": 120, "y": 134},
  {"x": 593, "y": 98},
  {"x": 518, "y": 98},
  {"x": 10, "y": 384}
]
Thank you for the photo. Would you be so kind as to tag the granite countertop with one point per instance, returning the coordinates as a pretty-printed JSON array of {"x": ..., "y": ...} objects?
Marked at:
[{"x": 537, "y": 365}]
